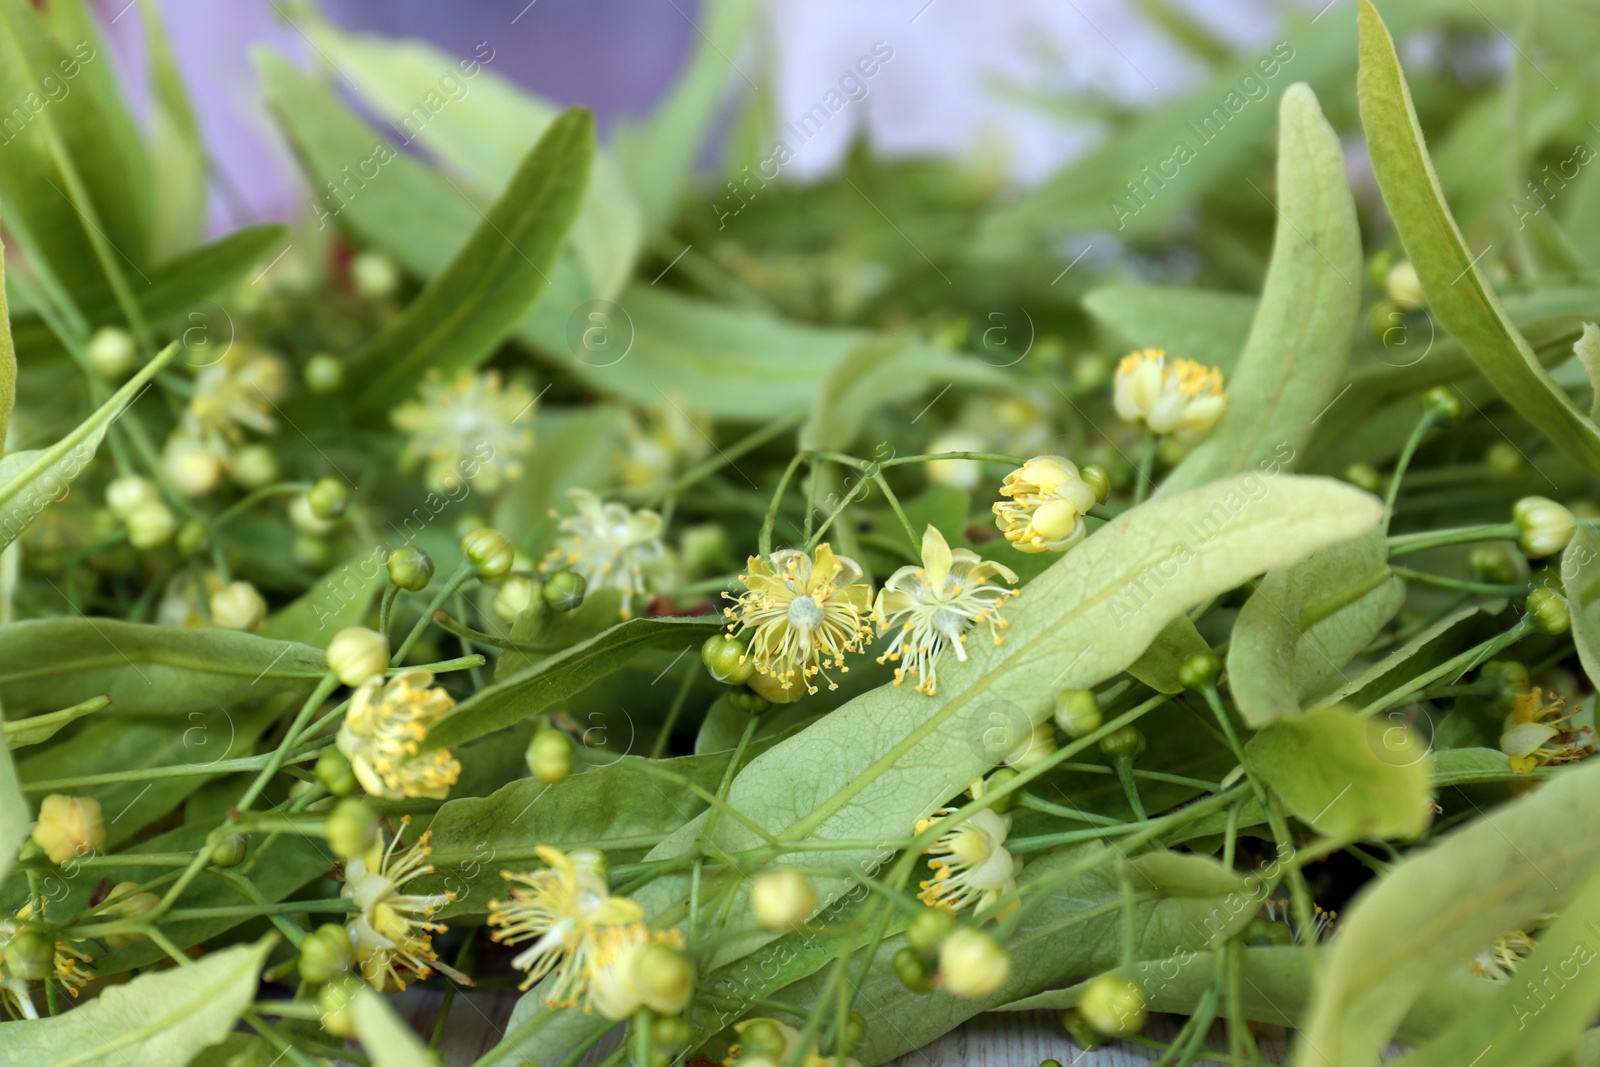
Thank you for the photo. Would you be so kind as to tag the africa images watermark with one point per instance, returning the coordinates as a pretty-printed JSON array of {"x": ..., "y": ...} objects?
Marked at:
[{"x": 1253, "y": 87}]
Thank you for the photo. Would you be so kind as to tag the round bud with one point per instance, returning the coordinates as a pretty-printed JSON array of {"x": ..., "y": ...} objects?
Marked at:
[
  {"x": 999, "y": 778},
  {"x": 705, "y": 548},
  {"x": 516, "y": 595},
  {"x": 1265, "y": 931},
  {"x": 727, "y": 659},
  {"x": 253, "y": 466},
  {"x": 670, "y": 1032},
  {"x": 323, "y": 373},
  {"x": 783, "y": 899},
  {"x": 1509, "y": 677},
  {"x": 747, "y": 700},
  {"x": 357, "y": 653},
  {"x": 237, "y": 606},
  {"x": 410, "y": 568},
  {"x": 1549, "y": 610},
  {"x": 327, "y": 952},
  {"x": 305, "y": 520},
  {"x": 1038, "y": 746},
  {"x": 761, "y": 1039},
  {"x": 1443, "y": 403},
  {"x": 564, "y": 590},
  {"x": 151, "y": 525},
  {"x": 912, "y": 971},
  {"x": 1081, "y": 1032},
  {"x": 309, "y": 551},
  {"x": 1091, "y": 371},
  {"x": 1077, "y": 712},
  {"x": 124, "y": 495},
  {"x": 30, "y": 955},
  {"x": 490, "y": 553},
  {"x": 1113, "y": 1005},
  {"x": 549, "y": 755},
  {"x": 192, "y": 468},
  {"x": 1492, "y": 563},
  {"x": 1506, "y": 463},
  {"x": 1387, "y": 323},
  {"x": 352, "y": 828},
  {"x": 127, "y": 902},
  {"x": 1098, "y": 480},
  {"x": 192, "y": 537},
  {"x": 852, "y": 1035},
  {"x": 972, "y": 964},
  {"x": 1125, "y": 743},
  {"x": 335, "y": 773},
  {"x": 927, "y": 930},
  {"x": 1544, "y": 526},
  {"x": 1402, "y": 285},
  {"x": 1200, "y": 671},
  {"x": 230, "y": 851},
  {"x": 1364, "y": 476},
  {"x": 334, "y": 1001},
  {"x": 328, "y": 499},
  {"x": 375, "y": 275},
  {"x": 69, "y": 827},
  {"x": 665, "y": 977},
  {"x": 112, "y": 353},
  {"x": 1378, "y": 265}
]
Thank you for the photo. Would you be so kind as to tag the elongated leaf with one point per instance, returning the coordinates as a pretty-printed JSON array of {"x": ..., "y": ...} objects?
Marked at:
[
  {"x": 1440, "y": 906},
  {"x": 386, "y": 1037},
  {"x": 156, "y": 1020},
  {"x": 40, "y": 728},
  {"x": 1459, "y": 294},
  {"x": 339, "y": 598},
  {"x": 492, "y": 283},
  {"x": 1199, "y": 324},
  {"x": 16, "y": 820},
  {"x": 8, "y": 359},
  {"x": 30, "y": 481},
  {"x": 1159, "y": 665},
  {"x": 1350, "y": 687},
  {"x": 176, "y": 148},
  {"x": 1293, "y": 363},
  {"x": 157, "y": 669},
  {"x": 1280, "y": 654},
  {"x": 1580, "y": 579},
  {"x": 561, "y": 675}
]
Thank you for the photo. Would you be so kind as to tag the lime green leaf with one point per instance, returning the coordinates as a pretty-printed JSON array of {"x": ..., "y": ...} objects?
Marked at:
[
  {"x": 30, "y": 481},
  {"x": 476, "y": 302},
  {"x": 1350, "y": 687},
  {"x": 1434, "y": 911},
  {"x": 532, "y": 689},
  {"x": 176, "y": 148},
  {"x": 16, "y": 820},
  {"x": 1459, "y": 295},
  {"x": 1587, "y": 349},
  {"x": 386, "y": 1037},
  {"x": 1347, "y": 776},
  {"x": 1301, "y": 626},
  {"x": 156, "y": 1020},
  {"x": 1158, "y": 666},
  {"x": 1293, "y": 364},
  {"x": 8, "y": 359},
  {"x": 156, "y": 669},
  {"x": 1205, "y": 326},
  {"x": 35, "y": 729},
  {"x": 1580, "y": 579}
]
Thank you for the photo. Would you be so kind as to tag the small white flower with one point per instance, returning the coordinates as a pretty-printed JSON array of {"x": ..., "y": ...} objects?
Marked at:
[
  {"x": 1047, "y": 500},
  {"x": 472, "y": 428},
  {"x": 1181, "y": 397},
  {"x": 238, "y": 606},
  {"x": 612, "y": 547},
  {"x": 392, "y": 930},
  {"x": 971, "y": 864}
]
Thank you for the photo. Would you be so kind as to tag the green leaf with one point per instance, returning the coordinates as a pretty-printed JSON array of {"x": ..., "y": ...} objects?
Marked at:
[
  {"x": 1346, "y": 776},
  {"x": 176, "y": 148},
  {"x": 561, "y": 675},
  {"x": 8, "y": 359},
  {"x": 16, "y": 819},
  {"x": 338, "y": 599},
  {"x": 1587, "y": 349},
  {"x": 1459, "y": 295},
  {"x": 476, "y": 302},
  {"x": 1398, "y": 657},
  {"x": 575, "y": 447},
  {"x": 156, "y": 1020},
  {"x": 1159, "y": 665},
  {"x": 154, "y": 669},
  {"x": 1301, "y": 626},
  {"x": 20, "y": 733},
  {"x": 1580, "y": 580},
  {"x": 30, "y": 481},
  {"x": 1203, "y": 325},
  {"x": 385, "y": 1036},
  {"x": 872, "y": 767},
  {"x": 1293, "y": 363},
  {"x": 1442, "y": 905}
]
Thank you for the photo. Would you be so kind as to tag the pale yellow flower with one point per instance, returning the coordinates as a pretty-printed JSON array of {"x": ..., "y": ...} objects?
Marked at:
[
  {"x": 1046, "y": 501},
  {"x": 660, "y": 439},
  {"x": 971, "y": 866},
  {"x": 1536, "y": 733},
  {"x": 392, "y": 931},
  {"x": 383, "y": 733},
  {"x": 612, "y": 547},
  {"x": 69, "y": 827},
  {"x": 1180, "y": 397},
  {"x": 614, "y": 987},
  {"x": 472, "y": 428}
]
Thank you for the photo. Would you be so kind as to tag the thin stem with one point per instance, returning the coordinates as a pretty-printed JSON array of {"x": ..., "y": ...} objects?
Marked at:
[
  {"x": 1147, "y": 463},
  {"x": 1418, "y": 432}
]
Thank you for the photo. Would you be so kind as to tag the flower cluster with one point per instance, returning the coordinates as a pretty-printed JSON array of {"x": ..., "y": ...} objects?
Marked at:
[
  {"x": 1180, "y": 398},
  {"x": 971, "y": 866},
  {"x": 392, "y": 931},
  {"x": 383, "y": 733},
  {"x": 612, "y": 547},
  {"x": 660, "y": 439},
  {"x": 1536, "y": 733},
  {"x": 472, "y": 427},
  {"x": 235, "y": 395},
  {"x": 66, "y": 963},
  {"x": 1046, "y": 500}
]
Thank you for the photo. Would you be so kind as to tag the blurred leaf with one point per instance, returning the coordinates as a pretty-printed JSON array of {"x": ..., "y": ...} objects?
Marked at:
[
  {"x": 1293, "y": 363},
  {"x": 721, "y": 729},
  {"x": 176, "y": 147},
  {"x": 1440, "y": 906},
  {"x": 1397, "y": 658},
  {"x": 1199, "y": 324},
  {"x": 8, "y": 360},
  {"x": 20, "y": 733},
  {"x": 1459, "y": 295},
  {"x": 1580, "y": 580},
  {"x": 464, "y": 313},
  {"x": 337, "y": 599},
  {"x": 16, "y": 820},
  {"x": 385, "y": 1036},
  {"x": 156, "y": 1020},
  {"x": 30, "y": 481},
  {"x": 574, "y": 448}
]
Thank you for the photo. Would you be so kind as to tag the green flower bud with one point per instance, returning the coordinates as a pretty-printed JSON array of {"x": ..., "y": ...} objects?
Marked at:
[
  {"x": 727, "y": 659},
  {"x": 127, "y": 902},
  {"x": 1509, "y": 677},
  {"x": 375, "y": 275},
  {"x": 192, "y": 538},
  {"x": 1000, "y": 777},
  {"x": 334, "y": 772},
  {"x": 927, "y": 930},
  {"x": 309, "y": 551},
  {"x": 549, "y": 755},
  {"x": 670, "y": 1032},
  {"x": 1549, "y": 610},
  {"x": 516, "y": 595},
  {"x": 1387, "y": 323},
  {"x": 705, "y": 548},
  {"x": 305, "y": 520},
  {"x": 563, "y": 590},
  {"x": 112, "y": 353},
  {"x": 1364, "y": 476},
  {"x": 1113, "y": 1005},
  {"x": 665, "y": 977},
  {"x": 323, "y": 373},
  {"x": 328, "y": 499},
  {"x": 1492, "y": 563},
  {"x": 1200, "y": 671},
  {"x": 124, "y": 495},
  {"x": 151, "y": 525},
  {"x": 30, "y": 955},
  {"x": 326, "y": 953},
  {"x": 1545, "y": 526},
  {"x": 853, "y": 1034},
  {"x": 1077, "y": 712},
  {"x": 335, "y": 1000},
  {"x": 912, "y": 971},
  {"x": 1081, "y": 1032},
  {"x": 1378, "y": 265},
  {"x": 972, "y": 964},
  {"x": 1098, "y": 480},
  {"x": 1126, "y": 743},
  {"x": 747, "y": 700},
  {"x": 230, "y": 851},
  {"x": 1263, "y": 931},
  {"x": 410, "y": 568},
  {"x": 238, "y": 606},
  {"x": 782, "y": 899},
  {"x": 761, "y": 1039},
  {"x": 253, "y": 466},
  {"x": 1443, "y": 403},
  {"x": 357, "y": 653},
  {"x": 1506, "y": 463},
  {"x": 352, "y": 828},
  {"x": 490, "y": 553},
  {"x": 1404, "y": 287},
  {"x": 1091, "y": 371}
]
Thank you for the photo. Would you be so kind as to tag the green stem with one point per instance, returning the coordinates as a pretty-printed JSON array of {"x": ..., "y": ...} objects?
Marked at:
[
  {"x": 1418, "y": 432},
  {"x": 1404, "y": 544},
  {"x": 1147, "y": 464}
]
